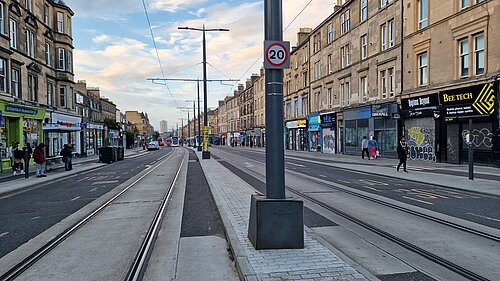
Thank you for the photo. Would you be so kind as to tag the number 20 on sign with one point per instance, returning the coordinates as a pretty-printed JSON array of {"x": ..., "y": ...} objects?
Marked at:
[{"x": 276, "y": 54}]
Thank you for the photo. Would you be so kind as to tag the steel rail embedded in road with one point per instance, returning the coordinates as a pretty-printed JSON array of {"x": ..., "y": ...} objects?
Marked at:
[
  {"x": 407, "y": 245},
  {"x": 45, "y": 249},
  {"x": 140, "y": 261},
  {"x": 406, "y": 210}
]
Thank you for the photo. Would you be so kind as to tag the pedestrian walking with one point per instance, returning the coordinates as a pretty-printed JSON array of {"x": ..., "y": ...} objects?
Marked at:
[
  {"x": 402, "y": 151},
  {"x": 372, "y": 147},
  {"x": 39, "y": 158},
  {"x": 364, "y": 148},
  {"x": 18, "y": 155},
  {"x": 66, "y": 153},
  {"x": 9, "y": 153}
]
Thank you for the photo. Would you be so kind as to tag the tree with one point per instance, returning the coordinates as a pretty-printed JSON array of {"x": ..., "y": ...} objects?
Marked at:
[
  {"x": 156, "y": 135},
  {"x": 111, "y": 124}
]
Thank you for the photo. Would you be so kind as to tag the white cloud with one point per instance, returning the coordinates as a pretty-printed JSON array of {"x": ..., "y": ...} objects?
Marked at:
[
  {"x": 101, "y": 38},
  {"x": 120, "y": 68},
  {"x": 173, "y": 5}
]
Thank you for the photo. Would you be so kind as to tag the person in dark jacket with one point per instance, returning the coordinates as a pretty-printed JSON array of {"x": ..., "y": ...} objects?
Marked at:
[
  {"x": 39, "y": 158},
  {"x": 402, "y": 154},
  {"x": 67, "y": 155},
  {"x": 18, "y": 159}
]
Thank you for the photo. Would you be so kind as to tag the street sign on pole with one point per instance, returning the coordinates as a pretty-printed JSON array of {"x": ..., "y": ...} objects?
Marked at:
[
  {"x": 205, "y": 137},
  {"x": 276, "y": 54}
]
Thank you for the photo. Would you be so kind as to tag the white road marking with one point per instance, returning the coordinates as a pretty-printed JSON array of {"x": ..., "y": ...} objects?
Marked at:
[
  {"x": 248, "y": 165},
  {"x": 104, "y": 182},
  {"x": 74, "y": 199},
  {"x": 369, "y": 187},
  {"x": 3, "y": 234},
  {"x": 421, "y": 201},
  {"x": 343, "y": 181},
  {"x": 323, "y": 176},
  {"x": 484, "y": 217},
  {"x": 35, "y": 218},
  {"x": 93, "y": 189},
  {"x": 298, "y": 165},
  {"x": 373, "y": 182}
]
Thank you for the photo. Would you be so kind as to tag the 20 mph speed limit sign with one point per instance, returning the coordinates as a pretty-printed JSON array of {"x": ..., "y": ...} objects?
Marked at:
[{"x": 276, "y": 54}]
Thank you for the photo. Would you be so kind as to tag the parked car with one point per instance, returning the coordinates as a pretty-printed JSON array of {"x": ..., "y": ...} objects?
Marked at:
[{"x": 153, "y": 145}]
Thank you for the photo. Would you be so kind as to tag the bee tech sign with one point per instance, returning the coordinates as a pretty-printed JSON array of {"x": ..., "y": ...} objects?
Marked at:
[{"x": 478, "y": 100}]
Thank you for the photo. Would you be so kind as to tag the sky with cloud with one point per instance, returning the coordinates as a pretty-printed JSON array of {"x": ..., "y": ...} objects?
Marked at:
[{"x": 114, "y": 49}]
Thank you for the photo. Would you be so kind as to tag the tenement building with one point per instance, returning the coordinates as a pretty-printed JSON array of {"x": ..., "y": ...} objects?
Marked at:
[
  {"x": 296, "y": 94},
  {"x": 36, "y": 75},
  {"x": 451, "y": 72},
  {"x": 355, "y": 67}
]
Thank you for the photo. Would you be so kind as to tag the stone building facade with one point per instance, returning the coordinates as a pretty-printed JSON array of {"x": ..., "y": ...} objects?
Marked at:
[
  {"x": 451, "y": 69},
  {"x": 36, "y": 75}
]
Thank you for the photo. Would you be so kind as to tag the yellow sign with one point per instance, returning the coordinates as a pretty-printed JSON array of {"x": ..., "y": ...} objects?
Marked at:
[
  {"x": 302, "y": 122},
  {"x": 485, "y": 102},
  {"x": 205, "y": 130}
]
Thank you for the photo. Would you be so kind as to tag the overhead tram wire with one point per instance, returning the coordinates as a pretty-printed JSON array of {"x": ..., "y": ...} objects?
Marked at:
[
  {"x": 156, "y": 49},
  {"x": 220, "y": 73},
  {"x": 245, "y": 73}
]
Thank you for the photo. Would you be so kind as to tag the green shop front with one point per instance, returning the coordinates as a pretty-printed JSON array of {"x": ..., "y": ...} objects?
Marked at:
[{"x": 18, "y": 123}]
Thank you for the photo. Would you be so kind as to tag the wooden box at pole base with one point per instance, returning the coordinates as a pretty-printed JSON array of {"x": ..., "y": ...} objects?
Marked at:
[{"x": 276, "y": 223}]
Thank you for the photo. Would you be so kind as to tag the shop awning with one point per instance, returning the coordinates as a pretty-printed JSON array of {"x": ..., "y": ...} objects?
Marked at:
[{"x": 56, "y": 128}]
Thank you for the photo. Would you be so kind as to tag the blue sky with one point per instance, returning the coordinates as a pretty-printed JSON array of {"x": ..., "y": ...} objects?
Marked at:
[{"x": 114, "y": 49}]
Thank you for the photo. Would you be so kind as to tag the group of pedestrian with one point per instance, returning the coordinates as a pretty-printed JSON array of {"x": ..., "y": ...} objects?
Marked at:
[
  {"x": 18, "y": 161},
  {"x": 370, "y": 148}
]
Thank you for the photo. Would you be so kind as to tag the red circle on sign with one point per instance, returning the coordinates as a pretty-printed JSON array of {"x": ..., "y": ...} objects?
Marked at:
[{"x": 284, "y": 50}]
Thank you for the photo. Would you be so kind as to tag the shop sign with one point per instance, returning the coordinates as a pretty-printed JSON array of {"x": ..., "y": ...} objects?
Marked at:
[
  {"x": 470, "y": 101},
  {"x": 328, "y": 120},
  {"x": 380, "y": 110},
  {"x": 21, "y": 109},
  {"x": 419, "y": 106},
  {"x": 314, "y": 122},
  {"x": 296, "y": 124}
]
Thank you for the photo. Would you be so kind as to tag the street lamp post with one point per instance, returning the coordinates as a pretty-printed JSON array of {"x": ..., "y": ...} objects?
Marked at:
[
  {"x": 206, "y": 152},
  {"x": 199, "y": 116}
]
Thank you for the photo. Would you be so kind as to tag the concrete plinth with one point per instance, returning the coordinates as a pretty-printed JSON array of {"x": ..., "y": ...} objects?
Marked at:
[
  {"x": 276, "y": 223},
  {"x": 205, "y": 155}
]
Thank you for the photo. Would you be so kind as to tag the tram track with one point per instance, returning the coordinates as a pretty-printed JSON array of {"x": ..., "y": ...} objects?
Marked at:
[
  {"x": 407, "y": 245},
  {"x": 140, "y": 261},
  {"x": 468, "y": 274}
]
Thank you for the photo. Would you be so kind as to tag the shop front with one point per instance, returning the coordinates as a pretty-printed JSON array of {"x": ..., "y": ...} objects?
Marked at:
[
  {"x": 296, "y": 135},
  {"x": 314, "y": 130},
  {"x": 417, "y": 115},
  {"x": 356, "y": 126},
  {"x": 375, "y": 121},
  {"x": 329, "y": 132},
  {"x": 62, "y": 129},
  {"x": 92, "y": 138},
  {"x": 479, "y": 104},
  {"x": 385, "y": 128},
  {"x": 19, "y": 123}
]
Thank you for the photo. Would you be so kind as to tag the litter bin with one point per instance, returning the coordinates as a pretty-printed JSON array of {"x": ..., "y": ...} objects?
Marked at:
[
  {"x": 107, "y": 154},
  {"x": 120, "y": 153}
]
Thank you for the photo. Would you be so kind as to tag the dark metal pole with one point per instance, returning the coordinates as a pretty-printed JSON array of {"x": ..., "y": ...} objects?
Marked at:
[
  {"x": 189, "y": 134},
  {"x": 206, "y": 153},
  {"x": 471, "y": 152},
  {"x": 199, "y": 117},
  {"x": 275, "y": 164},
  {"x": 194, "y": 122},
  {"x": 26, "y": 161}
]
